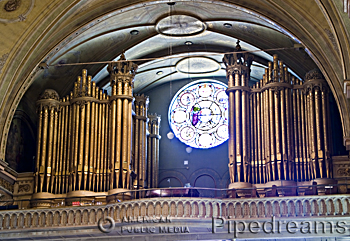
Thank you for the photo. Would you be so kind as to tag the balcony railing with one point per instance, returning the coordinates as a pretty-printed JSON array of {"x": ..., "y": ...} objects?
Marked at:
[{"x": 190, "y": 203}]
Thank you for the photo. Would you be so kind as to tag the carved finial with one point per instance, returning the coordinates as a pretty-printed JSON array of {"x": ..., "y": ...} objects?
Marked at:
[
  {"x": 122, "y": 56},
  {"x": 238, "y": 47},
  {"x": 313, "y": 74}
]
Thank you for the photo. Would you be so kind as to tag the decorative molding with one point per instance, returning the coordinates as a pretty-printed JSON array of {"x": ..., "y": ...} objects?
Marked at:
[
  {"x": 12, "y": 5},
  {"x": 3, "y": 61},
  {"x": 328, "y": 207},
  {"x": 24, "y": 188},
  {"x": 7, "y": 185},
  {"x": 15, "y": 10},
  {"x": 332, "y": 39}
]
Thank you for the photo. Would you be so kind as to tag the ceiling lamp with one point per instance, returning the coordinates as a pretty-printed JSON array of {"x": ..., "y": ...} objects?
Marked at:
[
  {"x": 227, "y": 25},
  {"x": 170, "y": 135},
  {"x": 134, "y": 32}
]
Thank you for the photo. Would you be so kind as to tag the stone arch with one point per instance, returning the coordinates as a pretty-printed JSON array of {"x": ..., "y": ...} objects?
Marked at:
[
  {"x": 346, "y": 205},
  {"x": 105, "y": 213},
  {"x": 223, "y": 210},
  {"x": 49, "y": 220},
  {"x": 165, "y": 209},
  {"x": 306, "y": 208},
  {"x": 238, "y": 210},
  {"x": 202, "y": 210},
  {"x": 209, "y": 210},
  {"x": 42, "y": 219},
  {"x": 129, "y": 211},
  {"x": 122, "y": 212},
  {"x": 230, "y": 210},
  {"x": 187, "y": 209},
  {"x": 99, "y": 214},
  {"x": 21, "y": 220},
  {"x": 71, "y": 218},
  {"x": 180, "y": 209},
  {"x": 56, "y": 219},
  {"x": 283, "y": 209},
  {"x": 268, "y": 208},
  {"x": 13, "y": 221},
  {"x": 136, "y": 209},
  {"x": 276, "y": 209},
  {"x": 299, "y": 208},
  {"x": 173, "y": 174},
  {"x": 1, "y": 222},
  {"x": 35, "y": 220},
  {"x": 85, "y": 218},
  {"x": 195, "y": 210},
  {"x": 314, "y": 208},
  {"x": 322, "y": 208},
  {"x": 28, "y": 220},
  {"x": 6, "y": 222},
  {"x": 338, "y": 207},
  {"x": 291, "y": 209},
  {"x": 299, "y": 29},
  {"x": 246, "y": 211},
  {"x": 78, "y": 217},
  {"x": 143, "y": 211},
  {"x": 173, "y": 211},
  {"x": 225, "y": 180},
  {"x": 330, "y": 207},
  {"x": 216, "y": 210},
  {"x": 158, "y": 209},
  {"x": 92, "y": 216},
  {"x": 150, "y": 209},
  {"x": 253, "y": 210},
  {"x": 261, "y": 209}
]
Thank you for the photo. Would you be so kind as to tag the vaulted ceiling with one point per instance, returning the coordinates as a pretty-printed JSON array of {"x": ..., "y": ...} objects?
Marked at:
[{"x": 169, "y": 42}]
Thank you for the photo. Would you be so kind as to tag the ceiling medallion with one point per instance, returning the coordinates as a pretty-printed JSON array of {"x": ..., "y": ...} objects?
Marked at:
[
  {"x": 180, "y": 25},
  {"x": 197, "y": 65},
  {"x": 15, "y": 10},
  {"x": 12, "y": 5}
]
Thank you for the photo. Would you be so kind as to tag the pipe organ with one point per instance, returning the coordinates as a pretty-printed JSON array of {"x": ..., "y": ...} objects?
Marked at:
[
  {"x": 85, "y": 139},
  {"x": 90, "y": 142},
  {"x": 279, "y": 127}
]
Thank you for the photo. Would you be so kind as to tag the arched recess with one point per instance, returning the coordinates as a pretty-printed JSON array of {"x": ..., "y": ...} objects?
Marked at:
[
  {"x": 177, "y": 177},
  {"x": 20, "y": 149},
  {"x": 205, "y": 180},
  {"x": 170, "y": 181},
  {"x": 57, "y": 25},
  {"x": 207, "y": 172}
]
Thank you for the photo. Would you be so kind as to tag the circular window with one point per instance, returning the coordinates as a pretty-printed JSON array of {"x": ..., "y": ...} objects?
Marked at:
[{"x": 198, "y": 114}]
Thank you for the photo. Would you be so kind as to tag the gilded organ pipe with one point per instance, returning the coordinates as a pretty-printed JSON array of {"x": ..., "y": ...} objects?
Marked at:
[
  {"x": 140, "y": 124},
  {"x": 238, "y": 71},
  {"x": 153, "y": 149}
]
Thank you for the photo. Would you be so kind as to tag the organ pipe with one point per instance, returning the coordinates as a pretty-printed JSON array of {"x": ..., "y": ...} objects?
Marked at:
[
  {"x": 287, "y": 129},
  {"x": 140, "y": 125},
  {"x": 238, "y": 70},
  {"x": 153, "y": 150}
]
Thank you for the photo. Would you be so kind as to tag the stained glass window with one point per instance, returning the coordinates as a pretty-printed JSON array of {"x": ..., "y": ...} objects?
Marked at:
[{"x": 198, "y": 114}]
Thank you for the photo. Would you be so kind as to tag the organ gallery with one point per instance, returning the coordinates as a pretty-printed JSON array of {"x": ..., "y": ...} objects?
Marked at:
[
  {"x": 91, "y": 142},
  {"x": 202, "y": 113}
]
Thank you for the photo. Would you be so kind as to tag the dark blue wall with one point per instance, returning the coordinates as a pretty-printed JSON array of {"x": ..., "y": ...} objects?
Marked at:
[{"x": 206, "y": 167}]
